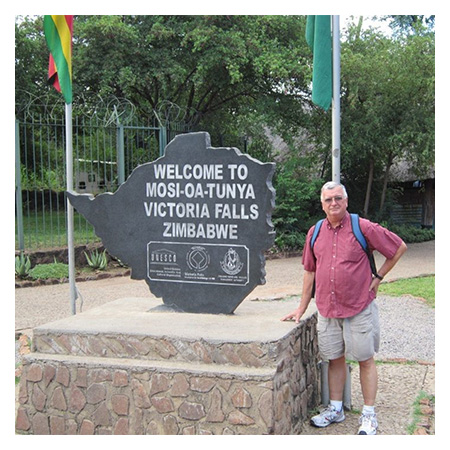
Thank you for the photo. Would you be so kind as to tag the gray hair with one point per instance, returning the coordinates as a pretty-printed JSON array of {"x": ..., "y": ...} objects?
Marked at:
[{"x": 331, "y": 185}]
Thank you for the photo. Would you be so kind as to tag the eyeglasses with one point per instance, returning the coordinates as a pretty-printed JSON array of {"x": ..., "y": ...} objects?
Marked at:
[{"x": 337, "y": 199}]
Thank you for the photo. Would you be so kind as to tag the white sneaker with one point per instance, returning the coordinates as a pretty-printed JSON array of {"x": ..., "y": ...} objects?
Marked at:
[
  {"x": 328, "y": 416},
  {"x": 368, "y": 423}
]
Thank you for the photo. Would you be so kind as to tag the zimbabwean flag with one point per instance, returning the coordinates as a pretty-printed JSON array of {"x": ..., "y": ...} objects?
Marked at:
[{"x": 58, "y": 33}]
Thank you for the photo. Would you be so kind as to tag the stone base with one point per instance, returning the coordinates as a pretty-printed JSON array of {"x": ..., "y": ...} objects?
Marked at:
[{"x": 124, "y": 368}]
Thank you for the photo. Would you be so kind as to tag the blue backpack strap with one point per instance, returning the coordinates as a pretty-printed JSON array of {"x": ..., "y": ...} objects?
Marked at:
[
  {"x": 356, "y": 228},
  {"x": 357, "y": 231},
  {"x": 317, "y": 227}
]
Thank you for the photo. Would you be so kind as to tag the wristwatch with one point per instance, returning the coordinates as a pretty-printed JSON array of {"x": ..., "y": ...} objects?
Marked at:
[{"x": 377, "y": 275}]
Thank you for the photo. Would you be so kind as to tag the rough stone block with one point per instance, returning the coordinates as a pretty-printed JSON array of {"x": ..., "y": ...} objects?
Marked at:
[{"x": 177, "y": 395}]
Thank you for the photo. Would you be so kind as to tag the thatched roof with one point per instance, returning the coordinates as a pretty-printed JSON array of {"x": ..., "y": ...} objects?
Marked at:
[{"x": 403, "y": 171}]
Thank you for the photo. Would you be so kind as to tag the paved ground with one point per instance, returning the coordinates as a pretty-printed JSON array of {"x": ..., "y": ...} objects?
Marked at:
[{"x": 399, "y": 383}]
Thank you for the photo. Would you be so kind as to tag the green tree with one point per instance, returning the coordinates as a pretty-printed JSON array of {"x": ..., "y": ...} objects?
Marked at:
[
  {"x": 237, "y": 76},
  {"x": 207, "y": 65},
  {"x": 31, "y": 59},
  {"x": 208, "y": 71},
  {"x": 409, "y": 24},
  {"x": 387, "y": 107}
]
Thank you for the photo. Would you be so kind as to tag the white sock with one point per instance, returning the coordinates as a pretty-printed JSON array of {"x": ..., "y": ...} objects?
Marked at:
[
  {"x": 368, "y": 409},
  {"x": 337, "y": 405}
]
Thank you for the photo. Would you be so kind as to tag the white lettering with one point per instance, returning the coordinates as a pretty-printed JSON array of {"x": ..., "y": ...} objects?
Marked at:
[
  {"x": 254, "y": 212},
  {"x": 233, "y": 191},
  {"x": 187, "y": 171},
  {"x": 180, "y": 210},
  {"x": 241, "y": 171},
  {"x": 204, "y": 231},
  {"x": 235, "y": 212},
  {"x": 171, "y": 190}
]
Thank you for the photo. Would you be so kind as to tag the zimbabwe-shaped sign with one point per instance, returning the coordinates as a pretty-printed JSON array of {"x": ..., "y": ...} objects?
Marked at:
[{"x": 194, "y": 224}]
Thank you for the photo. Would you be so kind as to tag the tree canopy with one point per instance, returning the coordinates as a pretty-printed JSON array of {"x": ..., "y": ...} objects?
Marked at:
[
  {"x": 387, "y": 105},
  {"x": 251, "y": 75}
]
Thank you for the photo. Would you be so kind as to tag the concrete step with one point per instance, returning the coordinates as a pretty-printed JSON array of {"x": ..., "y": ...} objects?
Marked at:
[
  {"x": 128, "y": 329},
  {"x": 140, "y": 365}
]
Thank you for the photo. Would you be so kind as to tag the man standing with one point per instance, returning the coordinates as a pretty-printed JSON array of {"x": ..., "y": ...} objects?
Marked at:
[{"x": 345, "y": 292}]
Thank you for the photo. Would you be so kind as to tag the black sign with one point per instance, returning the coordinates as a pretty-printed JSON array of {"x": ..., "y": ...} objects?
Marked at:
[{"x": 194, "y": 224}]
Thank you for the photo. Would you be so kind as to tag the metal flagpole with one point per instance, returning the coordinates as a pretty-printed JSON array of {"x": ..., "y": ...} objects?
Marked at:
[
  {"x": 69, "y": 178},
  {"x": 336, "y": 104}
]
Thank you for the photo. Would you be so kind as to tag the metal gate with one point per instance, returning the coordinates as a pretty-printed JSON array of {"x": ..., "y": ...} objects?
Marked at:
[{"x": 104, "y": 155}]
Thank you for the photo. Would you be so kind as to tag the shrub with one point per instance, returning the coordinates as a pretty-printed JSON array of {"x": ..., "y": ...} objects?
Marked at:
[
  {"x": 290, "y": 241},
  {"x": 46, "y": 271},
  {"x": 412, "y": 234},
  {"x": 295, "y": 240},
  {"x": 297, "y": 201}
]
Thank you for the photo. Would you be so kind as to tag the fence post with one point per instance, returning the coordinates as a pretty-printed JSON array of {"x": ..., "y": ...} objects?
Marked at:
[
  {"x": 120, "y": 154},
  {"x": 325, "y": 392},
  {"x": 162, "y": 140},
  {"x": 19, "y": 210}
]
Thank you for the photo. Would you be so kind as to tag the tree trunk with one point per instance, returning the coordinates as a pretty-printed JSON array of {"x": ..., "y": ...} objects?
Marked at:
[
  {"x": 428, "y": 204},
  {"x": 385, "y": 182},
  {"x": 369, "y": 188}
]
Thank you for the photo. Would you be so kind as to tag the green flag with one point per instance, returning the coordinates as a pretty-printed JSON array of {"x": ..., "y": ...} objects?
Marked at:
[{"x": 318, "y": 37}]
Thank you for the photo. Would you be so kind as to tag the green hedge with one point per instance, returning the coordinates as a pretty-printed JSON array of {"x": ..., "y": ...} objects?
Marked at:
[
  {"x": 294, "y": 241},
  {"x": 412, "y": 234}
]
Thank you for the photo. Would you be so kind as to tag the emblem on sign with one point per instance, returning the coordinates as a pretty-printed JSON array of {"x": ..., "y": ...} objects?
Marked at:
[
  {"x": 197, "y": 259},
  {"x": 231, "y": 263}
]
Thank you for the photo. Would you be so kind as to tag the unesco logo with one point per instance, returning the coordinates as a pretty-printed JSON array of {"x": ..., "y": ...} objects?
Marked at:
[
  {"x": 163, "y": 256},
  {"x": 198, "y": 259}
]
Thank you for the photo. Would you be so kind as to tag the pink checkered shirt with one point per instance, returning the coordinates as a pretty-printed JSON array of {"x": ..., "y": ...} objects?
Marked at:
[{"x": 343, "y": 274}]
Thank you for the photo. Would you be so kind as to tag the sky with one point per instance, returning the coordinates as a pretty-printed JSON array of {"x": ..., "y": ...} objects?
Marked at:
[{"x": 382, "y": 25}]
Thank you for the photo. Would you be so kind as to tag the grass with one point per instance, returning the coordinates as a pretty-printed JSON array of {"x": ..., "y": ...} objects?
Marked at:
[
  {"x": 48, "y": 229},
  {"x": 420, "y": 287},
  {"x": 417, "y": 413}
]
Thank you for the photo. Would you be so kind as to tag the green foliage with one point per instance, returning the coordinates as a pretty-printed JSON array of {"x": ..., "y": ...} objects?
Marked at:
[
  {"x": 235, "y": 75},
  {"x": 44, "y": 178},
  {"x": 31, "y": 56},
  {"x": 204, "y": 64},
  {"x": 298, "y": 204},
  {"x": 298, "y": 208},
  {"x": 411, "y": 234},
  {"x": 388, "y": 103},
  {"x": 52, "y": 270},
  {"x": 96, "y": 260},
  {"x": 23, "y": 266},
  {"x": 293, "y": 241},
  {"x": 409, "y": 24}
]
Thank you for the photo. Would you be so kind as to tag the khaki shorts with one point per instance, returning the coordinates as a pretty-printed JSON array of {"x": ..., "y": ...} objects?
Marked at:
[{"x": 356, "y": 337}]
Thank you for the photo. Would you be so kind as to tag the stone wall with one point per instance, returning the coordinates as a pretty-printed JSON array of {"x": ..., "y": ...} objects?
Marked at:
[{"x": 81, "y": 383}]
